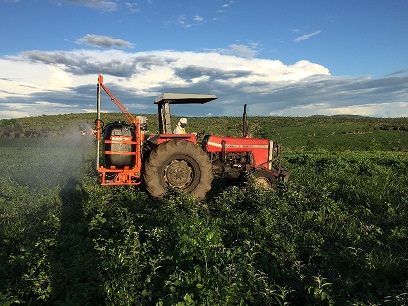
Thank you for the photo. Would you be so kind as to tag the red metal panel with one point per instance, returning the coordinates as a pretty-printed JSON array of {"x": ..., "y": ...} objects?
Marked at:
[{"x": 258, "y": 147}]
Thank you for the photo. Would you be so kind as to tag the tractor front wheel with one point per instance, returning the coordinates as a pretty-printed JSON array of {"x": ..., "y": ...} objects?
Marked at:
[
  {"x": 265, "y": 179},
  {"x": 178, "y": 164}
]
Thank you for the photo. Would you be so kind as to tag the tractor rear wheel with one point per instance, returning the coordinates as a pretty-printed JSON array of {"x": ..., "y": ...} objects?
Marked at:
[
  {"x": 265, "y": 179},
  {"x": 178, "y": 164}
]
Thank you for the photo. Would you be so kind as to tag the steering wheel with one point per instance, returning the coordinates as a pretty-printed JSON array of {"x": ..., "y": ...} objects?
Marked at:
[{"x": 198, "y": 135}]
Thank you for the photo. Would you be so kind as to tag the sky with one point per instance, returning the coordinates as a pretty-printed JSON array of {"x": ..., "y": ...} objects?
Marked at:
[{"x": 281, "y": 58}]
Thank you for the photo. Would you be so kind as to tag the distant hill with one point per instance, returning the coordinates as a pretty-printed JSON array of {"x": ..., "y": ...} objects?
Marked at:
[{"x": 339, "y": 132}]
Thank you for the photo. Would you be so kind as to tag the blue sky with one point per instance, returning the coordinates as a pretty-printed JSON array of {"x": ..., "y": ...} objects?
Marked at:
[{"x": 286, "y": 58}]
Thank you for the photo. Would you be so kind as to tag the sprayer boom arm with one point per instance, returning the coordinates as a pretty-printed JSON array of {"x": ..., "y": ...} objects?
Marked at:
[{"x": 121, "y": 107}]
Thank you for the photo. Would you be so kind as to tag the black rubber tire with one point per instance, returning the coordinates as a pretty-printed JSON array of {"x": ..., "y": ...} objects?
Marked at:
[
  {"x": 265, "y": 179},
  {"x": 178, "y": 164}
]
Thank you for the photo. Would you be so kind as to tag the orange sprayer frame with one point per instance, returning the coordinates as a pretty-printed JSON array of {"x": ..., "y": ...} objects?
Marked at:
[{"x": 129, "y": 175}]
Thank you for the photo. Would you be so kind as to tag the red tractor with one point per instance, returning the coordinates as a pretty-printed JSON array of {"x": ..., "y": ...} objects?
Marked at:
[{"x": 166, "y": 160}]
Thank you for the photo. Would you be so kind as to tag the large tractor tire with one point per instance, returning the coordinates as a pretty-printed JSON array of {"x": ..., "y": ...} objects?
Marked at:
[{"x": 178, "y": 164}]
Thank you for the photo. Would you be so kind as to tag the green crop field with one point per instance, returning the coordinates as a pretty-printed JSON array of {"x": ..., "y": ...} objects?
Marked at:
[{"x": 335, "y": 234}]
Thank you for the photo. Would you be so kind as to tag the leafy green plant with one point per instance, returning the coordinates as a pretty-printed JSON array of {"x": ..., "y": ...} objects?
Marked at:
[
  {"x": 7, "y": 299},
  {"x": 335, "y": 234}
]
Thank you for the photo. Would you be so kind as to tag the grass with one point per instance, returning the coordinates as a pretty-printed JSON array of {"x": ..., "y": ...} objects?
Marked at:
[{"x": 336, "y": 234}]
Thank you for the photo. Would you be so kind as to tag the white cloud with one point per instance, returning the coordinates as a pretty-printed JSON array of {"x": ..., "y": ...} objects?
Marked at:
[
  {"x": 132, "y": 7},
  {"x": 228, "y": 4},
  {"x": 307, "y": 36},
  {"x": 5, "y": 114},
  {"x": 240, "y": 50},
  {"x": 181, "y": 20},
  {"x": 19, "y": 78},
  {"x": 243, "y": 50},
  {"x": 186, "y": 22},
  {"x": 401, "y": 71},
  {"x": 104, "y": 42},
  {"x": 47, "y": 104},
  {"x": 96, "y": 4},
  {"x": 19, "y": 110},
  {"x": 198, "y": 18},
  {"x": 37, "y": 82},
  {"x": 393, "y": 109},
  {"x": 58, "y": 79}
]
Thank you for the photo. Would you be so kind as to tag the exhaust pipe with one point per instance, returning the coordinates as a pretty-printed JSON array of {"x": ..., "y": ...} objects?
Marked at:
[
  {"x": 244, "y": 123},
  {"x": 98, "y": 119}
]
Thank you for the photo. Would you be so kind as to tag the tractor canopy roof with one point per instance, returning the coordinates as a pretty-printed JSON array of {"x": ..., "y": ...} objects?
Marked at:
[{"x": 181, "y": 98}]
